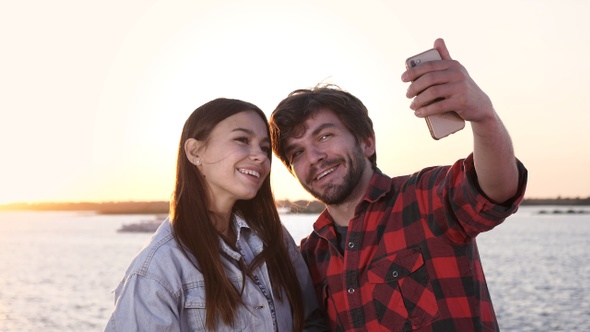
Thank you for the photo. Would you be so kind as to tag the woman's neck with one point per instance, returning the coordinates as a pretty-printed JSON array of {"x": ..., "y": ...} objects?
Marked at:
[{"x": 224, "y": 225}]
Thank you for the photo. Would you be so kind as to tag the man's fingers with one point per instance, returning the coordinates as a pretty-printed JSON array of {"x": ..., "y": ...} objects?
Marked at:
[{"x": 439, "y": 44}]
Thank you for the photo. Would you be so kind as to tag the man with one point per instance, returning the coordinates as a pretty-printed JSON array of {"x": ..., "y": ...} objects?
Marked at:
[{"x": 399, "y": 254}]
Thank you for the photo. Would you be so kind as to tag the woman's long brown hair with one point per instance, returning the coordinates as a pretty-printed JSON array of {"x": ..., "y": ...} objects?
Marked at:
[{"x": 196, "y": 234}]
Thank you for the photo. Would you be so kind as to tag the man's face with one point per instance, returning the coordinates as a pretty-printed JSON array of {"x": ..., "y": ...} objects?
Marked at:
[{"x": 327, "y": 160}]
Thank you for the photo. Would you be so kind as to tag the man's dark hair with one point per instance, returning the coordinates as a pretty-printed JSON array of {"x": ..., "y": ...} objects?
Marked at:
[{"x": 287, "y": 119}]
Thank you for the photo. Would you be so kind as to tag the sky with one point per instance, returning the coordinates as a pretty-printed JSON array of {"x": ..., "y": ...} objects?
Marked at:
[{"x": 94, "y": 94}]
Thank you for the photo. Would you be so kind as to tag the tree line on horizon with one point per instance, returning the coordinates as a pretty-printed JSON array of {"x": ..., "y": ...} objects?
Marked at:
[{"x": 162, "y": 207}]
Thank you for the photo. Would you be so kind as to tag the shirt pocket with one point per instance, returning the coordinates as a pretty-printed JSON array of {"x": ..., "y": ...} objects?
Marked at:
[
  {"x": 196, "y": 312},
  {"x": 329, "y": 307},
  {"x": 402, "y": 292}
]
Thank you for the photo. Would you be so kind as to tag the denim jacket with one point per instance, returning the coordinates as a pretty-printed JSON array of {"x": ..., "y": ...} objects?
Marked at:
[{"x": 163, "y": 291}]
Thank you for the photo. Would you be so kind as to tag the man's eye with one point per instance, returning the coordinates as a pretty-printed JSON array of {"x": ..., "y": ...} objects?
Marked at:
[
  {"x": 295, "y": 154},
  {"x": 324, "y": 137}
]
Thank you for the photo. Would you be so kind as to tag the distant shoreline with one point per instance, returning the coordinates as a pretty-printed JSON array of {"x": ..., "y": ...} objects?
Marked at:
[{"x": 162, "y": 207}]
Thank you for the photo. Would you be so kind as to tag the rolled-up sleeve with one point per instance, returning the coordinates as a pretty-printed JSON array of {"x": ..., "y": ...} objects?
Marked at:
[{"x": 465, "y": 200}]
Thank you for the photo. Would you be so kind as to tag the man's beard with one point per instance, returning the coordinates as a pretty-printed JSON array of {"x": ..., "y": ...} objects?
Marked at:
[{"x": 335, "y": 194}]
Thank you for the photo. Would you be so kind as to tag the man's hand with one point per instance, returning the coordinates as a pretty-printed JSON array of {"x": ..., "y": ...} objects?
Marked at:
[{"x": 449, "y": 81}]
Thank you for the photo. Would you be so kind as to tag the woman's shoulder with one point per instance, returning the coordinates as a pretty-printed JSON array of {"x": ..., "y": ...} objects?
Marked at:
[{"x": 163, "y": 259}]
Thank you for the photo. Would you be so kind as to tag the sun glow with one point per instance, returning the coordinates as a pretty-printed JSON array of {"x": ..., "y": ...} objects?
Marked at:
[{"x": 99, "y": 119}]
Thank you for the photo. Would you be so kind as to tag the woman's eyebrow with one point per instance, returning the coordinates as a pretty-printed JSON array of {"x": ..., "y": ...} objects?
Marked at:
[{"x": 250, "y": 132}]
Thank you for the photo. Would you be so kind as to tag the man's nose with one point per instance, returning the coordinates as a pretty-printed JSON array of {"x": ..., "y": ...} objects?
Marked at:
[{"x": 315, "y": 155}]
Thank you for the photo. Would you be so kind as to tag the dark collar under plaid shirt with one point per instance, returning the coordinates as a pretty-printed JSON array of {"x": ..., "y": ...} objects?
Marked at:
[{"x": 410, "y": 259}]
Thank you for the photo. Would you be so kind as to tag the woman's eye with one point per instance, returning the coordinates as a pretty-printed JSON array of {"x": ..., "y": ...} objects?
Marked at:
[
  {"x": 242, "y": 140},
  {"x": 266, "y": 149}
]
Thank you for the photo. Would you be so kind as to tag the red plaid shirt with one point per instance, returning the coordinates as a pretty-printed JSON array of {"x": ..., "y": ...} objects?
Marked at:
[{"x": 410, "y": 261}]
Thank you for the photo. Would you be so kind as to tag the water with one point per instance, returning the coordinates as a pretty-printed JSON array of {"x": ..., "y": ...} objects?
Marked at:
[
  {"x": 57, "y": 269},
  {"x": 538, "y": 272}
]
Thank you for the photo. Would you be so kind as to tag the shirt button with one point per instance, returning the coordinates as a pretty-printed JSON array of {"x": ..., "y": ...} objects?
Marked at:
[
  {"x": 350, "y": 290},
  {"x": 350, "y": 245},
  {"x": 259, "y": 307},
  {"x": 395, "y": 274}
]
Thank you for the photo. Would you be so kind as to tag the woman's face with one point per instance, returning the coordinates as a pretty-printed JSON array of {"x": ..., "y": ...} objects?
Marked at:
[{"x": 235, "y": 160}]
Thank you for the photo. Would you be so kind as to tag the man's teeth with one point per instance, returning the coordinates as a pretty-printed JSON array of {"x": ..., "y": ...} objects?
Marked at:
[
  {"x": 325, "y": 173},
  {"x": 249, "y": 172}
]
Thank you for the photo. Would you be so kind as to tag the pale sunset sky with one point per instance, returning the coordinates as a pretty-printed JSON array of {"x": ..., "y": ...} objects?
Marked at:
[{"x": 94, "y": 94}]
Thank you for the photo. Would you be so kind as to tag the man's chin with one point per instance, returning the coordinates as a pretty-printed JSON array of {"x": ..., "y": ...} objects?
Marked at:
[
  {"x": 328, "y": 197},
  {"x": 314, "y": 193}
]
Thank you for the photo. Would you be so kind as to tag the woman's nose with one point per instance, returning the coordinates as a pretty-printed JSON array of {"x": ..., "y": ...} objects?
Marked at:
[{"x": 259, "y": 155}]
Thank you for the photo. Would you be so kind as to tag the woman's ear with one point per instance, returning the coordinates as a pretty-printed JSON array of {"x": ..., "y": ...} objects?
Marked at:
[{"x": 191, "y": 149}]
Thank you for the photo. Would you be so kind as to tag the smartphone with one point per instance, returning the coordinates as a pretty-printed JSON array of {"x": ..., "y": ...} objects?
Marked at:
[{"x": 444, "y": 124}]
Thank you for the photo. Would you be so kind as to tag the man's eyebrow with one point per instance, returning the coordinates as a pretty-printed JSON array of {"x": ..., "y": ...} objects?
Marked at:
[
  {"x": 249, "y": 132},
  {"x": 322, "y": 127},
  {"x": 314, "y": 132}
]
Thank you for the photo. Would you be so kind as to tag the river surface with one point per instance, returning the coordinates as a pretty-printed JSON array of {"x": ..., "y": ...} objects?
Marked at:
[{"x": 57, "y": 269}]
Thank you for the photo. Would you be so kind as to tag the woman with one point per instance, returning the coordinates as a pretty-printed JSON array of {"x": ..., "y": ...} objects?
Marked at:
[{"x": 222, "y": 261}]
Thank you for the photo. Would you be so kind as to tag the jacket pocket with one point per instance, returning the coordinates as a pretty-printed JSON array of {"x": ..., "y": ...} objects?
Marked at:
[
  {"x": 402, "y": 292},
  {"x": 196, "y": 311}
]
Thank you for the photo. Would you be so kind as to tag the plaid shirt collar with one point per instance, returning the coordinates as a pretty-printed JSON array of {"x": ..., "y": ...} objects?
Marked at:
[{"x": 379, "y": 186}]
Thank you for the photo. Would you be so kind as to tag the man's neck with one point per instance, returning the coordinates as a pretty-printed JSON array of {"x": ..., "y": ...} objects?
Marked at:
[{"x": 342, "y": 213}]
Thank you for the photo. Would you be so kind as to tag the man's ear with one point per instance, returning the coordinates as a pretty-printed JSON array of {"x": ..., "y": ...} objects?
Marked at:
[
  {"x": 191, "y": 149},
  {"x": 368, "y": 145}
]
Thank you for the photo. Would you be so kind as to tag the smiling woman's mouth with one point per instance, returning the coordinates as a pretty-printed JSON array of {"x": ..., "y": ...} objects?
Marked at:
[{"x": 249, "y": 172}]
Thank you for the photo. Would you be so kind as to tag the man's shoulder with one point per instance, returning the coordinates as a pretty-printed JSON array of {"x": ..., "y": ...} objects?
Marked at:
[{"x": 309, "y": 241}]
